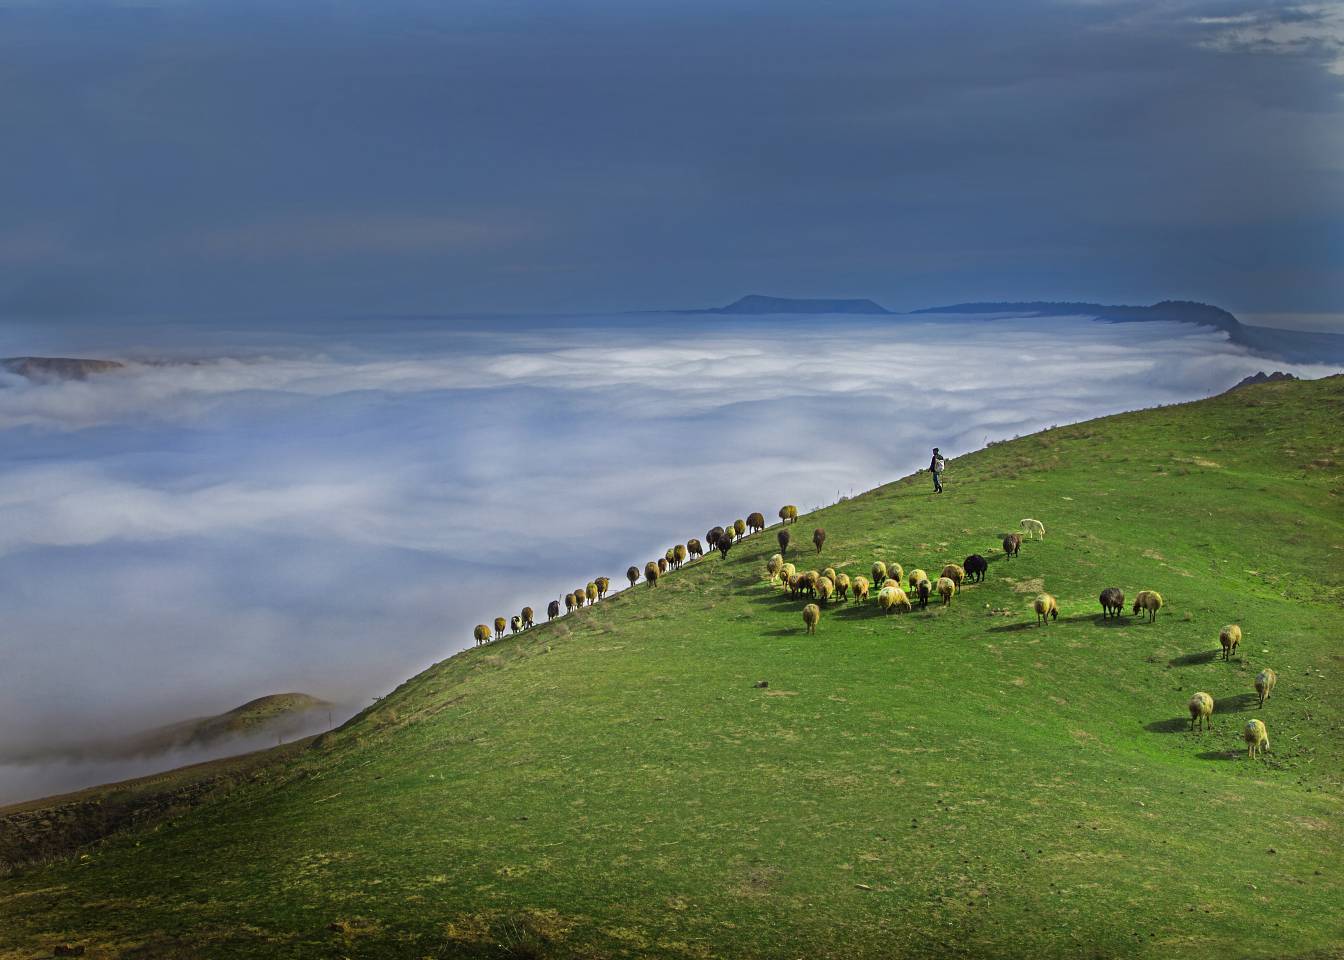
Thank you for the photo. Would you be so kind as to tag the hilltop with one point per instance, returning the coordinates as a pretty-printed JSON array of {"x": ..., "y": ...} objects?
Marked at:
[
  {"x": 58, "y": 368},
  {"x": 755, "y": 303},
  {"x": 956, "y": 782}
]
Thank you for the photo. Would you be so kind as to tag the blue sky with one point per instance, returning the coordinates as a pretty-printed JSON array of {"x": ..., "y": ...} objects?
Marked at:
[{"x": 259, "y": 159}]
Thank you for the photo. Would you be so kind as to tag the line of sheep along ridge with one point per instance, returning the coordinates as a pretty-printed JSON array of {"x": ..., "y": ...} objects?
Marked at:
[{"x": 887, "y": 579}]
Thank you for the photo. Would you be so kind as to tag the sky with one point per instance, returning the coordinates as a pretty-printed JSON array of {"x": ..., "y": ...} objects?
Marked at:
[
  {"x": 330, "y": 509},
  {"x": 190, "y": 158}
]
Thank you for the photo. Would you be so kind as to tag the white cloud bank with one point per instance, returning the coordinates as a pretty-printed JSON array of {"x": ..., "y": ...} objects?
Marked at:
[{"x": 178, "y": 538}]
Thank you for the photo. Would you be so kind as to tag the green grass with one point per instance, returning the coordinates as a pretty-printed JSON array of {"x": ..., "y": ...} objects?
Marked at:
[{"x": 949, "y": 783}]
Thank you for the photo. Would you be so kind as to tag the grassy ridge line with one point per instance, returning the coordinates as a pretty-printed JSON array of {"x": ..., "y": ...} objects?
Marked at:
[{"x": 955, "y": 783}]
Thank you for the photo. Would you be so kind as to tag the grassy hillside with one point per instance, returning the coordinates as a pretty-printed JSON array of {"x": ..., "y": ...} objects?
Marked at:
[{"x": 957, "y": 782}]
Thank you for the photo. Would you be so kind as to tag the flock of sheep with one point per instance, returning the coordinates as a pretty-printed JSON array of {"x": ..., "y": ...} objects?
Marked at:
[{"x": 888, "y": 580}]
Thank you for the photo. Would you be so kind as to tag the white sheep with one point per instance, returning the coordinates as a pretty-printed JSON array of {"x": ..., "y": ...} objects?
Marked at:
[
  {"x": 1033, "y": 527},
  {"x": 1201, "y": 709},
  {"x": 1264, "y": 684},
  {"x": 1256, "y": 737}
]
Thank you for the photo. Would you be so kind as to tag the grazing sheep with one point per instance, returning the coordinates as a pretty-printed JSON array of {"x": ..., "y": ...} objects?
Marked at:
[
  {"x": 591, "y": 592},
  {"x": 773, "y": 566},
  {"x": 569, "y": 603},
  {"x": 528, "y": 617},
  {"x": 739, "y": 527},
  {"x": 811, "y": 617},
  {"x": 896, "y": 572},
  {"x": 552, "y": 609},
  {"x": 796, "y": 583},
  {"x": 712, "y": 538},
  {"x": 1201, "y": 709},
  {"x": 1033, "y": 527},
  {"x": 947, "y": 588},
  {"x": 842, "y": 584},
  {"x": 603, "y": 587},
  {"x": 893, "y": 599},
  {"x": 515, "y": 623},
  {"x": 671, "y": 557},
  {"x": 725, "y": 544},
  {"x": 818, "y": 537},
  {"x": 651, "y": 573},
  {"x": 481, "y": 633},
  {"x": 917, "y": 575},
  {"x": 922, "y": 589},
  {"x": 879, "y": 572},
  {"x": 788, "y": 570},
  {"x": 860, "y": 589},
  {"x": 783, "y": 538},
  {"x": 788, "y": 514},
  {"x": 1229, "y": 637},
  {"x": 1150, "y": 601},
  {"x": 1256, "y": 737},
  {"x": 500, "y": 626},
  {"x": 580, "y": 596},
  {"x": 693, "y": 549},
  {"x": 1012, "y": 545},
  {"x": 1264, "y": 684},
  {"x": 829, "y": 572},
  {"x": 810, "y": 578},
  {"x": 663, "y": 565},
  {"x": 976, "y": 567},
  {"x": 954, "y": 573},
  {"x": 679, "y": 554},
  {"x": 1112, "y": 602},
  {"x": 1045, "y": 606},
  {"x": 825, "y": 588},
  {"x": 632, "y": 575},
  {"x": 755, "y": 521}
]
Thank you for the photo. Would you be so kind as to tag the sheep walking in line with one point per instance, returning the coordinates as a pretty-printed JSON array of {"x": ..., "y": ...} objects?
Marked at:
[
  {"x": 1045, "y": 606},
  {"x": 879, "y": 573},
  {"x": 1149, "y": 601},
  {"x": 679, "y": 554},
  {"x": 632, "y": 574},
  {"x": 1264, "y": 684},
  {"x": 755, "y": 522},
  {"x": 895, "y": 572},
  {"x": 528, "y": 617},
  {"x": 922, "y": 588},
  {"x": 860, "y": 589},
  {"x": 976, "y": 567},
  {"x": 1012, "y": 545},
  {"x": 811, "y": 617},
  {"x": 1201, "y": 709},
  {"x": 552, "y": 609},
  {"x": 788, "y": 514},
  {"x": 590, "y": 592},
  {"x": 773, "y": 566},
  {"x": 651, "y": 573},
  {"x": 818, "y": 537},
  {"x": 603, "y": 587},
  {"x": 712, "y": 537},
  {"x": 1256, "y": 737},
  {"x": 842, "y": 585},
  {"x": 829, "y": 572},
  {"x": 1112, "y": 602},
  {"x": 891, "y": 598},
  {"x": 955, "y": 573},
  {"x": 693, "y": 549},
  {"x": 725, "y": 544},
  {"x": 1229, "y": 638},
  {"x": 500, "y": 626},
  {"x": 1033, "y": 528},
  {"x": 740, "y": 528},
  {"x": 825, "y": 589},
  {"x": 580, "y": 596},
  {"x": 481, "y": 634},
  {"x": 515, "y": 624},
  {"x": 569, "y": 603},
  {"x": 663, "y": 565},
  {"x": 783, "y": 538},
  {"x": 947, "y": 588}
]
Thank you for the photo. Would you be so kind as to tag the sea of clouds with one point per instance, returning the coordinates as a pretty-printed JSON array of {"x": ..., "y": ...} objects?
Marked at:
[{"x": 330, "y": 508}]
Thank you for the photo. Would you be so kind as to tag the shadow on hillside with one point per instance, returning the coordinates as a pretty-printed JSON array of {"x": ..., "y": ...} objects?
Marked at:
[
  {"x": 1190, "y": 659},
  {"x": 1219, "y": 755},
  {"x": 1170, "y": 725},
  {"x": 797, "y": 631},
  {"x": 1032, "y": 624},
  {"x": 1238, "y": 704}
]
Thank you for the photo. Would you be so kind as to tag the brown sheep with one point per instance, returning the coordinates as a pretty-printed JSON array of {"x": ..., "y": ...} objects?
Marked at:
[
  {"x": 500, "y": 626},
  {"x": 552, "y": 609},
  {"x": 783, "y": 538},
  {"x": 829, "y": 572},
  {"x": 591, "y": 592},
  {"x": 569, "y": 603},
  {"x": 651, "y": 573},
  {"x": 712, "y": 537},
  {"x": 879, "y": 573},
  {"x": 481, "y": 633},
  {"x": 1012, "y": 545},
  {"x": 725, "y": 544},
  {"x": 663, "y": 565},
  {"x": 825, "y": 588},
  {"x": 580, "y": 596},
  {"x": 954, "y": 573},
  {"x": 947, "y": 588},
  {"x": 671, "y": 558},
  {"x": 922, "y": 589},
  {"x": 1264, "y": 684},
  {"x": 788, "y": 514},
  {"x": 1045, "y": 606},
  {"x": 528, "y": 616},
  {"x": 693, "y": 549},
  {"x": 632, "y": 574},
  {"x": 860, "y": 589},
  {"x": 1229, "y": 637},
  {"x": 679, "y": 554},
  {"x": 1201, "y": 709},
  {"x": 842, "y": 584},
  {"x": 818, "y": 537},
  {"x": 1112, "y": 602},
  {"x": 896, "y": 572},
  {"x": 811, "y": 617},
  {"x": 755, "y": 521},
  {"x": 603, "y": 587}
]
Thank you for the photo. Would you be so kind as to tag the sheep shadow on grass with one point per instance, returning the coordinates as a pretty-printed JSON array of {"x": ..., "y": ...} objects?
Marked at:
[
  {"x": 1170, "y": 725},
  {"x": 1031, "y": 624},
  {"x": 1191, "y": 659},
  {"x": 1237, "y": 704},
  {"x": 1220, "y": 755}
]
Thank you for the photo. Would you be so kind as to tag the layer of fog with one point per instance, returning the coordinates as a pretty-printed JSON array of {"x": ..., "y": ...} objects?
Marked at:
[{"x": 331, "y": 509}]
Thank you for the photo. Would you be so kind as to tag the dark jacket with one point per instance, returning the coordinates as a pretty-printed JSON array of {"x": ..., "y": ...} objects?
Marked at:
[{"x": 933, "y": 463}]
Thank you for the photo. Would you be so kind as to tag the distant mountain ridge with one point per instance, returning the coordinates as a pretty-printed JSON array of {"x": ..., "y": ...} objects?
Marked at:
[
  {"x": 1175, "y": 311},
  {"x": 755, "y": 303},
  {"x": 58, "y": 368}
]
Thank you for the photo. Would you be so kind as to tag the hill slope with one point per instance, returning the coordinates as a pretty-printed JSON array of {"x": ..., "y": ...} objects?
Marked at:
[{"x": 956, "y": 782}]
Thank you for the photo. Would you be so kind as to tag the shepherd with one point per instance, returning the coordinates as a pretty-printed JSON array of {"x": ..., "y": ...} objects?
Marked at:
[{"x": 936, "y": 467}]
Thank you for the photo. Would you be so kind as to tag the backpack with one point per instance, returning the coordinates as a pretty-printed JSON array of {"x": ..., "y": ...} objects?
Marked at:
[{"x": 939, "y": 465}]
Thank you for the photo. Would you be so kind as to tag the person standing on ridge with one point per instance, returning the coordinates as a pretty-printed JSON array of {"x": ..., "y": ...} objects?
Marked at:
[{"x": 936, "y": 467}]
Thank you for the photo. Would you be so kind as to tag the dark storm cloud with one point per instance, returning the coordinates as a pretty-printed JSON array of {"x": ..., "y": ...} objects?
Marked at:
[{"x": 195, "y": 157}]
